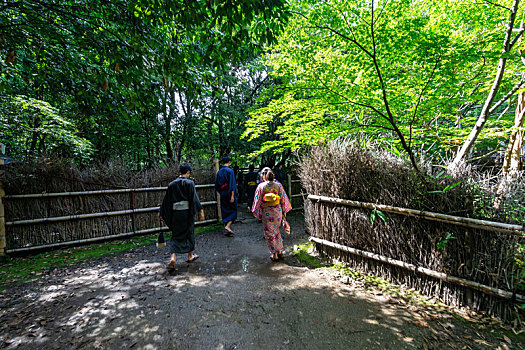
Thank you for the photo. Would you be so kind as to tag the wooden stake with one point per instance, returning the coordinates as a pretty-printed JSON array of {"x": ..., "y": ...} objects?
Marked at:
[
  {"x": 2, "y": 216},
  {"x": 290, "y": 195}
]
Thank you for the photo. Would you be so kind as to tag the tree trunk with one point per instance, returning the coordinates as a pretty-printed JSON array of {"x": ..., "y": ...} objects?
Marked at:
[
  {"x": 167, "y": 126},
  {"x": 512, "y": 162},
  {"x": 469, "y": 142},
  {"x": 34, "y": 135}
]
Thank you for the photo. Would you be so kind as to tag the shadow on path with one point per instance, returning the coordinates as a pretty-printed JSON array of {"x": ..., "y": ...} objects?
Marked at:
[{"x": 232, "y": 297}]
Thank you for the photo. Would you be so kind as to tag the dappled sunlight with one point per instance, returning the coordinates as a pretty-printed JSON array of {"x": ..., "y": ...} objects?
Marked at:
[{"x": 223, "y": 300}]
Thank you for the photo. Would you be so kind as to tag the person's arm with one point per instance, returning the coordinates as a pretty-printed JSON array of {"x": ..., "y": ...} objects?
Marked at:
[
  {"x": 197, "y": 203},
  {"x": 286, "y": 206},
  {"x": 232, "y": 186}
]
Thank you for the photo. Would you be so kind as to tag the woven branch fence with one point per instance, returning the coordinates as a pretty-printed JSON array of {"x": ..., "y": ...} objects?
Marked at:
[
  {"x": 97, "y": 205},
  {"x": 414, "y": 242}
]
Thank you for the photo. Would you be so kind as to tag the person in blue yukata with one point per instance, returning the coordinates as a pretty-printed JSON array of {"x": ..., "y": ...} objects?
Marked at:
[{"x": 227, "y": 188}]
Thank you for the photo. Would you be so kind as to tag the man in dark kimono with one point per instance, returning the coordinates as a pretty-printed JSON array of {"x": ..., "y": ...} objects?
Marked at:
[
  {"x": 178, "y": 210},
  {"x": 251, "y": 185},
  {"x": 278, "y": 173},
  {"x": 227, "y": 188}
]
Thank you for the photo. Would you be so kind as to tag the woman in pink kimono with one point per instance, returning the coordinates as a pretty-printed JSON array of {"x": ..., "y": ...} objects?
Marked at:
[{"x": 270, "y": 205}]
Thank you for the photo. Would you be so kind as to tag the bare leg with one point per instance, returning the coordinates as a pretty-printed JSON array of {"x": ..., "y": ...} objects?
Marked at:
[{"x": 190, "y": 255}]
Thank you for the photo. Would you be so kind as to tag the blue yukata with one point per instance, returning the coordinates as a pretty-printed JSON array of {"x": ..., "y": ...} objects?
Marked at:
[{"x": 225, "y": 184}]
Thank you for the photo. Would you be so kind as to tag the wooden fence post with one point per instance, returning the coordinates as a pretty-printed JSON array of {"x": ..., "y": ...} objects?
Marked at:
[
  {"x": 2, "y": 217},
  {"x": 217, "y": 194},
  {"x": 132, "y": 205}
]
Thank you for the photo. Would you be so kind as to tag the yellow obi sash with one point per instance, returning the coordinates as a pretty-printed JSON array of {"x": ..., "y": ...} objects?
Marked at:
[
  {"x": 271, "y": 199},
  {"x": 252, "y": 183}
]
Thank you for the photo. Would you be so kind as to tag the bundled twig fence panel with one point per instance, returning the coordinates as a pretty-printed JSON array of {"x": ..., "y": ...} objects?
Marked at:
[
  {"x": 517, "y": 230},
  {"x": 45, "y": 225},
  {"x": 52, "y": 190},
  {"x": 488, "y": 256}
]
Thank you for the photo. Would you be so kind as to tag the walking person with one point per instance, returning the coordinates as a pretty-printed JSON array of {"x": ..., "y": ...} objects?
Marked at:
[
  {"x": 250, "y": 185},
  {"x": 227, "y": 188},
  {"x": 278, "y": 173},
  {"x": 270, "y": 205},
  {"x": 178, "y": 209}
]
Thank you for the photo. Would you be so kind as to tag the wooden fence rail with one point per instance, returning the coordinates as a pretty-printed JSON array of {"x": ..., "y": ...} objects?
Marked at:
[
  {"x": 68, "y": 218},
  {"x": 439, "y": 275},
  {"x": 517, "y": 230},
  {"x": 67, "y": 194},
  {"x": 91, "y": 216}
]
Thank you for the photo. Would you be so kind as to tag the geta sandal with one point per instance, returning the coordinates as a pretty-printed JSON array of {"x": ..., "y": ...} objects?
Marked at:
[{"x": 195, "y": 257}]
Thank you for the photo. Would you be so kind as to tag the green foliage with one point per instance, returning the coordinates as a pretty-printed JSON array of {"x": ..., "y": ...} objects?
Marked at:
[
  {"x": 31, "y": 126},
  {"x": 303, "y": 253},
  {"x": 378, "y": 213},
  {"x": 411, "y": 74},
  {"x": 109, "y": 66},
  {"x": 444, "y": 242}
]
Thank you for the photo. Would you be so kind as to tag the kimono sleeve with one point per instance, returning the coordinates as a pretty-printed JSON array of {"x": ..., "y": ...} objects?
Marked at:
[
  {"x": 196, "y": 201},
  {"x": 258, "y": 203},
  {"x": 285, "y": 201},
  {"x": 166, "y": 206},
  {"x": 232, "y": 184}
]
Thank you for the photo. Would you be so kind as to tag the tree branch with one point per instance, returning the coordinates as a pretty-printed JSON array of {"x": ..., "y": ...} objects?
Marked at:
[
  {"x": 508, "y": 95},
  {"x": 516, "y": 38},
  {"x": 420, "y": 98},
  {"x": 498, "y": 5}
]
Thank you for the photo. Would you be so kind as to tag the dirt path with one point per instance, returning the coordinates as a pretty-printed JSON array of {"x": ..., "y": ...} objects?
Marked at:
[{"x": 233, "y": 297}]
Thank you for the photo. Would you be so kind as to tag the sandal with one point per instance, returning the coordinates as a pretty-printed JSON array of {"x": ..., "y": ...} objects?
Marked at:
[
  {"x": 170, "y": 266},
  {"x": 273, "y": 259},
  {"x": 228, "y": 232},
  {"x": 195, "y": 257}
]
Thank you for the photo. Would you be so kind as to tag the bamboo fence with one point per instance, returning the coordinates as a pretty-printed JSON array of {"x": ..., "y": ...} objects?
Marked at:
[
  {"x": 440, "y": 246},
  {"x": 518, "y": 230},
  {"x": 41, "y": 231}
]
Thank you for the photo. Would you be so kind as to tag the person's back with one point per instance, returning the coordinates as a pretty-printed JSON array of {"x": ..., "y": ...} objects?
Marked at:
[
  {"x": 250, "y": 181},
  {"x": 226, "y": 186},
  {"x": 278, "y": 174}
]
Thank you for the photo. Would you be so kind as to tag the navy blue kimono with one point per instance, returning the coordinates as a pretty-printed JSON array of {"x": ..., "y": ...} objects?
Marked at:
[{"x": 225, "y": 184}]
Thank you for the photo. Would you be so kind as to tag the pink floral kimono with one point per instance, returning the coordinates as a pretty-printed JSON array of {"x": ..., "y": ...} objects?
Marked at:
[{"x": 271, "y": 212}]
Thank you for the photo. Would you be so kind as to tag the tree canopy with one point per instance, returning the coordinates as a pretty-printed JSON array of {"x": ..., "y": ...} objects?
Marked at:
[
  {"x": 108, "y": 66},
  {"x": 411, "y": 74},
  {"x": 152, "y": 81}
]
